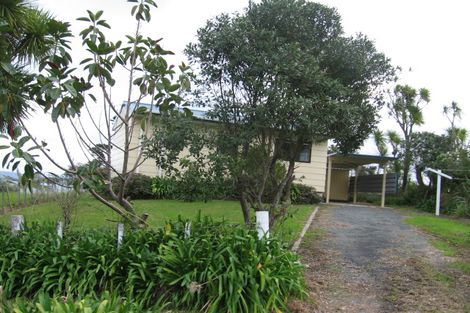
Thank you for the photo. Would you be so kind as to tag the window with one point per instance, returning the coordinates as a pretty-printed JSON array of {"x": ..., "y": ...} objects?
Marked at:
[{"x": 304, "y": 155}]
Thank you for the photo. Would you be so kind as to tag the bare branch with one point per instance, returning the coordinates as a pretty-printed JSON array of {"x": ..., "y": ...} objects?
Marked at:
[{"x": 44, "y": 151}]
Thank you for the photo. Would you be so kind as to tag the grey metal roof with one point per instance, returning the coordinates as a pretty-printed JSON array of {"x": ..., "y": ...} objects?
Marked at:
[{"x": 198, "y": 112}]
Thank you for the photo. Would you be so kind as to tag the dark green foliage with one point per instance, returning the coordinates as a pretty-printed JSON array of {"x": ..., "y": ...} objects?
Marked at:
[
  {"x": 303, "y": 194},
  {"x": 138, "y": 187},
  {"x": 198, "y": 176},
  {"x": 193, "y": 188},
  {"x": 163, "y": 187},
  {"x": 219, "y": 268},
  {"x": 244, "y": 275}
]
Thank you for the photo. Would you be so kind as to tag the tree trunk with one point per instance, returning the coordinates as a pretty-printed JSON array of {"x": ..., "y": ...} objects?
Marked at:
[
  {"x": 245, "y": 209},
  {"x": 406, "y": 170},
  {"x": 419, "y": 176}
]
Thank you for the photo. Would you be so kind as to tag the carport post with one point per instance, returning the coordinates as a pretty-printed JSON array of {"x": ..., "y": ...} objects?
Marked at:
[
  {"x": 384, "y": 185},
  {"x": 328, "y": 180},
  {"x": 355, "y": 184}
]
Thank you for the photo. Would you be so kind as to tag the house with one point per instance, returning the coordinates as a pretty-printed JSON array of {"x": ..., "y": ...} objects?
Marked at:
[{"x": 328, "y": 174}]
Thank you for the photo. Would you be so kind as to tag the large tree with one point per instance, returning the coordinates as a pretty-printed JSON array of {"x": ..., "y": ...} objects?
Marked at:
[
  {"x": 280, "y": 75},
  {"x": 405, "y": 107}
]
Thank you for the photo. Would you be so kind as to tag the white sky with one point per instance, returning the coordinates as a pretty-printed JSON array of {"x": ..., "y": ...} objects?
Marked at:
[{"x": 430, "y": 37}]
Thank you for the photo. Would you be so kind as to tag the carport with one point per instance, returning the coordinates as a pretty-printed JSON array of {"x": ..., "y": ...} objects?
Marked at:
[{"x": 340, "y": 164}]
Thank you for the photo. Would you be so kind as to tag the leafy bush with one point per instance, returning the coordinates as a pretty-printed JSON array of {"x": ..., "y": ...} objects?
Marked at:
[
  {"x": 163, "y": 187},
  {"x": 67, "y": 201},
  {"x": 219, "y": 268},
  {"x": 139, "y": 187},
  {"x": 303, "y": 194},
  {"x": 459, "y": 201},
  {"x": 189, "y": 186}
]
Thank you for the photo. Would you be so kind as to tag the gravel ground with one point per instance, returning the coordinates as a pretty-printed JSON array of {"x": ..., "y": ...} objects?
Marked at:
[{"x": 366, "y": 259}]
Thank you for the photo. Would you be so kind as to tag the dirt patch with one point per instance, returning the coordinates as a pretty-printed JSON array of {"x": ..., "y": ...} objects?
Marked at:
[{"x": 363, "y": 259}]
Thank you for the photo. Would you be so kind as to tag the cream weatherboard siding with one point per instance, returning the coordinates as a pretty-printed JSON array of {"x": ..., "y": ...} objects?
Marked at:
[
  {"x": 311, "y": 174},
  {"x": 117, "y": 156},
  {"x": 314, "y": 173}
]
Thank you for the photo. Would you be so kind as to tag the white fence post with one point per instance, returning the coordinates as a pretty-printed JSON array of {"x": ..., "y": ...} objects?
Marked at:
[
  {"x": 60, "y": 229},
  {"x": 262, "y": 223},
  {"x": 17, "y": 224},
  {"x": 120, "y": 234},
  {"x": 187, "y": 230}
]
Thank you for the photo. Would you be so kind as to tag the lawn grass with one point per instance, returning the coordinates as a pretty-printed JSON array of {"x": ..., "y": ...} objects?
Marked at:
[
  {"x": 463, "y": 266},
  {"x": 452, "y": 231},
  {"x": 453, "y": 238},
  {"x": 14, "y": 200},
  {"x": 445, "y": 247},
  {"x": 92, "y": 214}
]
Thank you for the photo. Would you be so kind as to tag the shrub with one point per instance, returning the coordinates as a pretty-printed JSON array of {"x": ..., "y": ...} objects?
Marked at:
[
  {"x": 139, "y": 187},
  {"x": 189, "y": 186},
  {"x": 164, "y": 187},
  {"x": 459, "y": 201},
  {"x": 67, "y": 202},
  {"x": 219, "y": 268},
  {"x": 232, "y": 270},
  {"x": 193, "y": 184},
  {"x": 303, "y": 194}
]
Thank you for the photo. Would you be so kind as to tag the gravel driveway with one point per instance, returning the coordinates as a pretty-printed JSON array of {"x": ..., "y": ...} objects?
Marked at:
[{"x": 366, "y": 259}]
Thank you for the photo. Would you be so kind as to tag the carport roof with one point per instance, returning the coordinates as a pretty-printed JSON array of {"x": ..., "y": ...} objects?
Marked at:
[{"x": 355, "y": 160}]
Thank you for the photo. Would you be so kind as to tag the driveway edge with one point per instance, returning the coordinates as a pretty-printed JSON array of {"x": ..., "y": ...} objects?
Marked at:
[{"x": 296, "y": 245}]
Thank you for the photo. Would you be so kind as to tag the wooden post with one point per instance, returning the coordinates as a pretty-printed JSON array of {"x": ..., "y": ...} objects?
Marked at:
[
  {"x": 384, "y": 185},
  {"x": 17, "y": 224},
  {"x": 328, "y": 180},
  {"x": 355, "y": 184}
]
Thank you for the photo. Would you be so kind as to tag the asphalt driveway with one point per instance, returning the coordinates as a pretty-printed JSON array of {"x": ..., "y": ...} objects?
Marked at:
[{"x": 367, "y": 259}]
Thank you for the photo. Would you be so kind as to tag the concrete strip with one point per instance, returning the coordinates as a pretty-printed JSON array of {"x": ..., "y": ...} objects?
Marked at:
[{"x": 296, "y": 245}]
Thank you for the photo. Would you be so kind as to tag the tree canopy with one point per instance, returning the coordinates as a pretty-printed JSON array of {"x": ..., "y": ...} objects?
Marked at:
[
  {"x": 289, "y": 65},
  {"x": 283, "y": 73}
]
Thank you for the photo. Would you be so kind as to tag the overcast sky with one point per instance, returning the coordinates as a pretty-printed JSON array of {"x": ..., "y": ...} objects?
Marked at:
[{"x": 430, "y": 37}]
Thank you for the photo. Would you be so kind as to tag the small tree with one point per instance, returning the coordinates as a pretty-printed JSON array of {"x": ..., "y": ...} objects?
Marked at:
[
  {"x": 279, "y": 76},
  {"x": 429, "y": 150},
  {"x": 458, "y": 135},
  {"x": 69, "y": 99},
  {"x": 405, "y": 107}
]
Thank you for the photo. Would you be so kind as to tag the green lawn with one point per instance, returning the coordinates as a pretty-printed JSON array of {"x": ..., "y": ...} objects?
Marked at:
[
  {"x": 453, "y": 231},
  {"x": 92, "y": 214},
  {"x": 453, "y": 237},
  {"x": 11, "y": 198}
]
